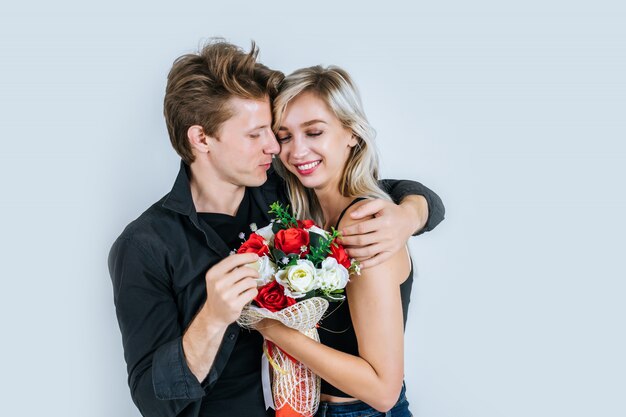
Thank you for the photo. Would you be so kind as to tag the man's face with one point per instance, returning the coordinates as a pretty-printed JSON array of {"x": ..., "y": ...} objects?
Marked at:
[{"x": 243, "y": 151}]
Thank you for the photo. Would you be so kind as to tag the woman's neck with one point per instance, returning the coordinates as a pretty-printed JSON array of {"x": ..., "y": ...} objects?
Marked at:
[{"x": 332, "y": 204}]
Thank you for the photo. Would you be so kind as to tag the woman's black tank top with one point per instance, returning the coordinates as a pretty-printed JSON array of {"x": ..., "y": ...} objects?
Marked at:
[{"x": 336, "y": 329}]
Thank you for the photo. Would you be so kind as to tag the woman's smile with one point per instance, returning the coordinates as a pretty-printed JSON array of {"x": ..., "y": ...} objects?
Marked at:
[{"x": 308, "y": 167}]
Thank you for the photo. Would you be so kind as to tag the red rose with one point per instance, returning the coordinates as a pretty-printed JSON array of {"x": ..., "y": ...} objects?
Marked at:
[
  {"x": 272, "y": 296},
  {"x": 305, "y": 224},
  {"x": 292, "y": 240},
  {"x": 339, "y": 253},
  {"x": 254, "y": 244}
]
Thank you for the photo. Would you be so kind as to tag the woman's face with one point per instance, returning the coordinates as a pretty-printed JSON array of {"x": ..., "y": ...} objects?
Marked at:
[{"x": 314, "y": 145}]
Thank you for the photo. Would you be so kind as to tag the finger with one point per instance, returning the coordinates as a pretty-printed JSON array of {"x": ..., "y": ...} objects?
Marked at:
[
  {"x": 233, "y": 292},
  {"x": 376, "y": 260},
  {"x": 364, "y": 252},
  {"x": 368, "y": 208},
  {"x": 242, "y": 286},
  {"x": 366, "y": 239},
  {"x": 223, "y": 283},
  {"x": 237, "y": 260},
  {"x": 240, "y": 274},
  {"x": 366, "y": 226},
  {"x": 246, "y": 296}
]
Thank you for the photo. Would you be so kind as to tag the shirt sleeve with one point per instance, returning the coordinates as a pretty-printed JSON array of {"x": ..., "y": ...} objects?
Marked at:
[
  {"x": 160, "y": 381},
  {"x": 398, "y": 189}
]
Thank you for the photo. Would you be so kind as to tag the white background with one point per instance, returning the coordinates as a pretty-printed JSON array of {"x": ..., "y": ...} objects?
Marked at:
[{"x": 513, "y": 113}]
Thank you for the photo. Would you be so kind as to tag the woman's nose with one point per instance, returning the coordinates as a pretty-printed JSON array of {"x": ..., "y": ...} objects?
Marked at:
[{"x": 299, "y": 148}]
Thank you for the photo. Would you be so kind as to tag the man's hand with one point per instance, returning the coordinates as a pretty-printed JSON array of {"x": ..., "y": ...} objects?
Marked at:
[
  {"x": 230, "y": 285},
  {"x": 373, "y": 241}
]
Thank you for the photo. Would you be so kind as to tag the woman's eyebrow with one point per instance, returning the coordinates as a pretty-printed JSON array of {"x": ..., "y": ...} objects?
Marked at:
[
  {"x": 312, "y": 122},
  {"x": 305, "y": 124}
]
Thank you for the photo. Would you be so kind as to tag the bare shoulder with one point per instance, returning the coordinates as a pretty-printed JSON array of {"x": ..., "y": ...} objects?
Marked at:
[
  {"x": 347, "y": 220},
  {"x": 395, "y": 269}
]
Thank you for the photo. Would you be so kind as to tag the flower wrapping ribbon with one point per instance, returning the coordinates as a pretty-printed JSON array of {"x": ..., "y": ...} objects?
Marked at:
[{"x": 295, "y": 388}]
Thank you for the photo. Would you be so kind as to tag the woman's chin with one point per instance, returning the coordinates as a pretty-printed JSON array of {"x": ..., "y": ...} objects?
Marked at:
[{"x": 308, "y": 182}]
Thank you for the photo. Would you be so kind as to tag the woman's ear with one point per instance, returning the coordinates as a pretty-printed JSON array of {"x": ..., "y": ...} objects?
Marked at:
[{"x": 354, "y": 140}]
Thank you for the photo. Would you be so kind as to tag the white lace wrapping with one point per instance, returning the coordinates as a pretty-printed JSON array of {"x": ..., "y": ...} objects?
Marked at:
[{"x": 293, "y": 383}]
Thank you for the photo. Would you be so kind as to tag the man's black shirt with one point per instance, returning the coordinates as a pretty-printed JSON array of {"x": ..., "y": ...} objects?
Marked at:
[
  {"x": 158, "y": 267},
  {"x": 240, "y": 375}
]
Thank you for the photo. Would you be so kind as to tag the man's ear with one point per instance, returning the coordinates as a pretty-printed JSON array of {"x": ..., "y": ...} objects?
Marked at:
[{"x": 198, "y": 140}]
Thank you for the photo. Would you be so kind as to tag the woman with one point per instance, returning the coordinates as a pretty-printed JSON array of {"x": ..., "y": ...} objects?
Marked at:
[{"x": 330, "y": 165}]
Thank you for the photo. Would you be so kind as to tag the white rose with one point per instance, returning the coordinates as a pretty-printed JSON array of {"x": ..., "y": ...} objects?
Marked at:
[
  {"x": 267, "y": 234},
  {"x": 266, "y": 269},
  {"x": 298, "y": 279},
  {"x": 332, "y": 276}
]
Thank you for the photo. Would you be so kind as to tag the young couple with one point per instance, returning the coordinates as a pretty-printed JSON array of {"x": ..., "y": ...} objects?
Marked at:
[{"x": 177, "y": 290}]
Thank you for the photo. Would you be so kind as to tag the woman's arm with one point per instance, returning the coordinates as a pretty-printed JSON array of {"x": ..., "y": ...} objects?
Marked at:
[{"x": 375, "y": 376}]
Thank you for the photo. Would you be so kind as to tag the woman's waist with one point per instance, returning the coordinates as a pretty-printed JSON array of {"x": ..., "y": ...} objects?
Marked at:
[
  {"x": 340, "y": 400},
  {"x": 338, "y": 404},
  {"x": 337, "y": 400}
]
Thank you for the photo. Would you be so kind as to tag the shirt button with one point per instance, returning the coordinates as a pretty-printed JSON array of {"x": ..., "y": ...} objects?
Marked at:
[{"x": 231, "y": 336}]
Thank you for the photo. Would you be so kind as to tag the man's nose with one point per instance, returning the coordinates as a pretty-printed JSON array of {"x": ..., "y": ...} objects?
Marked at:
[{"x": 272, "y": 146}]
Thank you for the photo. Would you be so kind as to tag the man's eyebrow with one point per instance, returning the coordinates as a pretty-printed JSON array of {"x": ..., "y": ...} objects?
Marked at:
[{"x": 259, "y": 127}]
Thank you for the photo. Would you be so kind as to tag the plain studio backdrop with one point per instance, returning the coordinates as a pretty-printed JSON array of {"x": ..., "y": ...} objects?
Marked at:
[{"x": 512, "y": 111}]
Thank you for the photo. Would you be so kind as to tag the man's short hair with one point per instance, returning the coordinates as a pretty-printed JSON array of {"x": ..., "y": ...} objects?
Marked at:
[{"x": 199, "y": 86}]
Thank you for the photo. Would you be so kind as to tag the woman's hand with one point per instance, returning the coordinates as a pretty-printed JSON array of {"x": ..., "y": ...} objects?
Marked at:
[
  {"x": 268, "y": 327},
  {"x": 375, "y": 240}
]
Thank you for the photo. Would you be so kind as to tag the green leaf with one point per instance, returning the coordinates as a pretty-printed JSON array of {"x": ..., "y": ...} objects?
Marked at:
[
  {"x": 282, "y": 214},
  {"x": 293, "y": 259},
  {"x": 276, "y": 227},
  {"x": 333, "y": 297},
  {"x": 316, "y": 240},
  {"x": 278, "y": 255}
]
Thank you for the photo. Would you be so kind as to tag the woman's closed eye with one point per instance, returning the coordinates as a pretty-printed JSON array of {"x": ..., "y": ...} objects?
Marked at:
[{"x": 284, "y": 138}]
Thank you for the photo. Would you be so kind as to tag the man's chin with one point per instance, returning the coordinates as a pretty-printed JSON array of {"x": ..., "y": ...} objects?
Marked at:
[{"x": 256, "y": 181}]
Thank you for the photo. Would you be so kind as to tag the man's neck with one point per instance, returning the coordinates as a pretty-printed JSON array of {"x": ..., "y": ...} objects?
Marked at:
[{"x": 211, "y": 194}]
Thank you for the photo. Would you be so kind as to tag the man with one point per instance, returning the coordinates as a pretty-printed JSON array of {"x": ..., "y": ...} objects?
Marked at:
[{"x": 177, "y": 291}]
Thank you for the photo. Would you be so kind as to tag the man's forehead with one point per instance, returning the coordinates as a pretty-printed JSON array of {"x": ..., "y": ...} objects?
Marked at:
[
  {"x": 250, "y": 113},
  {"x": 249, "y": 105}
]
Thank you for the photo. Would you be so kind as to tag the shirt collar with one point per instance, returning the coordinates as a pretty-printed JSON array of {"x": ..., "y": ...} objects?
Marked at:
[{"x": 179, "y": 199}]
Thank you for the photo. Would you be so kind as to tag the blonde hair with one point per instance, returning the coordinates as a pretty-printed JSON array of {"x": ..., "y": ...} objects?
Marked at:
[{"x": 334, "y": 87}]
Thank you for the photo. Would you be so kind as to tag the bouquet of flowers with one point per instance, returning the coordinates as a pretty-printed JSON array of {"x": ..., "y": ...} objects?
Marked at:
[{"x": 301, "y": 268}]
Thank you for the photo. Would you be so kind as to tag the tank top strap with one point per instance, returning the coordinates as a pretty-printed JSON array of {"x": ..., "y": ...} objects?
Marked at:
[{"x": 356, "y": 200}]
